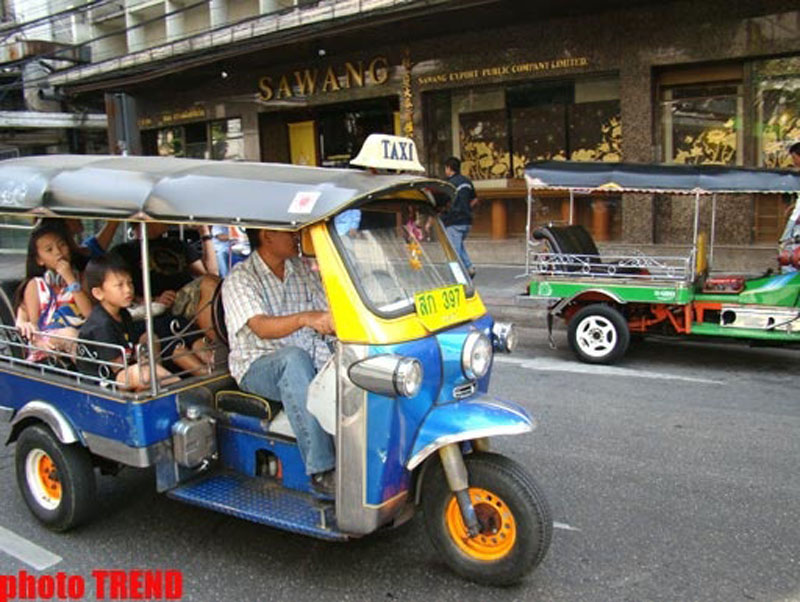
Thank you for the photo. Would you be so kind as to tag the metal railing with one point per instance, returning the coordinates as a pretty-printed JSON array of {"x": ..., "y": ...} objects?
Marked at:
[
  {"x": 48, "y": 354},
  {"x": 628, "y": 266}
]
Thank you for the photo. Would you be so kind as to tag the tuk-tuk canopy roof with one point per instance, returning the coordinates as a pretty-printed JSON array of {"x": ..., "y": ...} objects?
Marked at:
[
  {"x": 672, "y": 179},
  {"x": 169, "y": 189}
]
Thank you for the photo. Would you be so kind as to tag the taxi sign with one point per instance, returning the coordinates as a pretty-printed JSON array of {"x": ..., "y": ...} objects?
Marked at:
[
  {"x": 382, "y": 151},
  {"x": 439, "y": 307}
]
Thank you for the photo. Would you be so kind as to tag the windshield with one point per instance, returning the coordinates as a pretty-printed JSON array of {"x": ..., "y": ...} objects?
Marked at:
[{"x": 394, "y": 250}]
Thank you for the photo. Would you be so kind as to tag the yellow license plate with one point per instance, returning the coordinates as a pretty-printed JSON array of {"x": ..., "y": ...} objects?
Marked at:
[{"x": 440, "y": 307}]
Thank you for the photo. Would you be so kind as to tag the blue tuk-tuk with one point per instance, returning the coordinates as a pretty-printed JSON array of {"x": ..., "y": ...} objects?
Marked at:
[{"x": 405, "y": 395}]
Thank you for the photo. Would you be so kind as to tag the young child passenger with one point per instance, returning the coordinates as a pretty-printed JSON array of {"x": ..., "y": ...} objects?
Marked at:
[
  {"x": 51, "y": 296},
  {"x": 110, "y": 322}
]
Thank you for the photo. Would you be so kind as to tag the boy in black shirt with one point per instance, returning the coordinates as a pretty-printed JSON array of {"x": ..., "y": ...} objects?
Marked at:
[{"x": 110, "y": 322}]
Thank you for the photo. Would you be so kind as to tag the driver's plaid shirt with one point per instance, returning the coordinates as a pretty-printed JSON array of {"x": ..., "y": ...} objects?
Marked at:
[{"x": 252, "y": 289}]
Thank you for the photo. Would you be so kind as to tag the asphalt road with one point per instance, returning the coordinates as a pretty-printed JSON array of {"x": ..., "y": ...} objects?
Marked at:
[{"x": 672, "y": 476}]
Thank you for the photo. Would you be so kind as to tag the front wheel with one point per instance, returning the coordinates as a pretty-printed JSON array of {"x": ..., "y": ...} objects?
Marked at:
[
  {"x": 598, "y": 334},
  {"x": 56, "y": 480},
  {"x": 514, "y": 518}
]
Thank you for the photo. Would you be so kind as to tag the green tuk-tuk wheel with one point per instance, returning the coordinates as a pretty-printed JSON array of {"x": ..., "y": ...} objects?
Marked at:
[
  {"x": 515, "y": 522},
  {"x": 56, "y": 480},
  {"x": 598, "y": 334}
]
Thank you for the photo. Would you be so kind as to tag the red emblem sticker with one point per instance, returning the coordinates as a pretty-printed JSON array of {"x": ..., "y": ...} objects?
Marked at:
[{"x": 303, "y": 202}]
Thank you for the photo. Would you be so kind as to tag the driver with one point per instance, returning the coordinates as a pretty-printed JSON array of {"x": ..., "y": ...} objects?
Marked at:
[{"x": 277, "y": 315}]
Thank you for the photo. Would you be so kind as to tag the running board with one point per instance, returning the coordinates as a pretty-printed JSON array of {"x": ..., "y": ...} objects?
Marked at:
[{"x": 258, "y": 500}]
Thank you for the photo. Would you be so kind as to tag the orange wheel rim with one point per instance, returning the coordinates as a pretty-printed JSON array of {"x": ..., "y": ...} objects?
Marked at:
[
  {"x": 498, "y": 529},
  {"x": 48, "y": 477}
]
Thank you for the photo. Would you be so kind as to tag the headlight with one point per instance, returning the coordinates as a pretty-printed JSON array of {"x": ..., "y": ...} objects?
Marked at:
[
  {"x": 388, "y": 375},
  {"x": 476, "y": 356},
  {"x": 504, "y": 335},
  {"x": 408, "y": 377}
]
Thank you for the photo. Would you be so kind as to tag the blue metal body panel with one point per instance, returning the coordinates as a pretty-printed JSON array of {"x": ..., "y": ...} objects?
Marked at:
[
  {"x": 237, "y": 451},
  {"x": 480, "y": 416},
  {"x": 394, "y": 425},
  {"x": 134, "y": 423},
  {"x": 257, "y": 500}
]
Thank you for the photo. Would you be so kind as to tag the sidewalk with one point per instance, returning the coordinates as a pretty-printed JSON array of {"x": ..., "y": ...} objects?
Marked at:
[{"x": 501, "y": 287}]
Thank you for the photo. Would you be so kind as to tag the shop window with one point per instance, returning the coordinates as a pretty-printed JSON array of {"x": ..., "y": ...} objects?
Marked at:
[
  {"x": 342, "y": 130},
  {"x": 196, "y": 141},
  {"x": 170, "y": 142},
  {"x": 221, "y": 139},
  {"x": 777, "y": 102},
  {"x": 701, "y": 124},
  {"x": 500, "y": 130},
  {"x": 227, "y": 141},
  {"x": 496, "y": 131}
]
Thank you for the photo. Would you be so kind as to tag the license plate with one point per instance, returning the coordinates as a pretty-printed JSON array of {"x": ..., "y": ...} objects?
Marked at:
[{"x": 439, "y": 307}]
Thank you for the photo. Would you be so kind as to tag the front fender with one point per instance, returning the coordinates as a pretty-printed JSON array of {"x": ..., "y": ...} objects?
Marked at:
[
  {"x": 41, "y": 411},
  {"x": 481, "y": 416}
]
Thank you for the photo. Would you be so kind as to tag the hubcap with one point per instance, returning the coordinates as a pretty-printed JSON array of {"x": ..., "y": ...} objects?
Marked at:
[
  {"x": 596, "y": 336},
  {"x": 42, "y": 478},
  {"x": 498, "y": 529}
]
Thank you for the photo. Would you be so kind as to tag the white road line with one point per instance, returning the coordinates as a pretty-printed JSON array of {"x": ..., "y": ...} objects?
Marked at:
[
  {"x": 27, "y": 551},
  {"x": 554, "y": 365},
  {"x": 565, "y": 526}
]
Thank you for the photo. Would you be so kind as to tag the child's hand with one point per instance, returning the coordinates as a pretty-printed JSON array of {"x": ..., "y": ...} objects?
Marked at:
[
  {"x": 166, "y": 298},
  {"x": 64, "y": 269},
  {"x": 26, "y": 329}
]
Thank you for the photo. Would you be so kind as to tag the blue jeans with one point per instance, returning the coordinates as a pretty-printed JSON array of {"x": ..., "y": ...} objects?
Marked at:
[
  {"x": 223, "y": 259},
  {"x": 284, "y": 375},
  {"x": 457, "y": 235}
]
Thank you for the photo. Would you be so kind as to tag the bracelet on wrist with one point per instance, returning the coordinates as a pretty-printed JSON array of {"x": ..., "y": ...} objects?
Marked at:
[
  {"x": 206, "y": 237},
  {"x": 73, "y": 288}
]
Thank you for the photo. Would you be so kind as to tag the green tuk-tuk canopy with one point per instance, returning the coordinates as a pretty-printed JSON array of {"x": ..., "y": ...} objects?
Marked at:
[
  {"x": 671, "y": 179},
  {"x": 169, "y": 189}
]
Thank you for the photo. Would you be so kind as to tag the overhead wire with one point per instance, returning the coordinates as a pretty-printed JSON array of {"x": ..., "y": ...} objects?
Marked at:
[
  {"x": 122, "y": 31},
  {"x": 67, "y": 51},
  {"x": 51, "y": 18}
]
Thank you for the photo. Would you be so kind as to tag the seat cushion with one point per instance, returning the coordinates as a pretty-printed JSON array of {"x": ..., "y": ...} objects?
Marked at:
[
  {"x": 247, "y": 404},
  {"x": 724, "y": 284}
]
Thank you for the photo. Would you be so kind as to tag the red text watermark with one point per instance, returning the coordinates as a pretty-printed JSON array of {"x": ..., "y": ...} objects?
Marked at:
[{"x": 102, "y": 584}]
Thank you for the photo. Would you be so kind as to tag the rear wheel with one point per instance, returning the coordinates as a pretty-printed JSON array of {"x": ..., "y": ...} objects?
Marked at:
[
  {"x": 514, "y": 518},
  {"x": 56, "y": 480},
  {"x": 598, "y": 334}
]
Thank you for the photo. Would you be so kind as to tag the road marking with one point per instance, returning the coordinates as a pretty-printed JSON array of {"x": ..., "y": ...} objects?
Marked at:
[
  {"x": 565, "y": 526},
  {"x": 27, "y": 551},
  {"x": 554, "y": 365}
]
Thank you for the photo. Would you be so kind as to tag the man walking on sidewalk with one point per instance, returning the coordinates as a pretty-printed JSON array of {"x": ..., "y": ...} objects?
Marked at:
[{"x": 457, "y": 217}]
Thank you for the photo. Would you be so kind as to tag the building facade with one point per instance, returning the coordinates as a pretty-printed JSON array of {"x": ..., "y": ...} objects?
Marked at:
[{"x": 496, "y": 83}]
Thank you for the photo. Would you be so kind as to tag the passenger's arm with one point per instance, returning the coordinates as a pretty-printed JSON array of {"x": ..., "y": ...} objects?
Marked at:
[
  {"x": 208, "y": 263},
  {"x": 30, "y": 304},
  {"x": 276, "y": 327},
  {"x": 81, "y": 298},
  {"x": 106, "y": 234}
]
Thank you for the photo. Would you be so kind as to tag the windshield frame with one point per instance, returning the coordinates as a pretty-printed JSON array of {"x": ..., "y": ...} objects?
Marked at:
[{"x": 410, "y": 308}]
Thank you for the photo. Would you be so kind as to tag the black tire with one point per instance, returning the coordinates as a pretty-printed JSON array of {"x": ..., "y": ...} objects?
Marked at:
[
  {"x": 65, "y": 499},
  {"x": 509, "y": 486},
  {"x": 598, "y": 334}
]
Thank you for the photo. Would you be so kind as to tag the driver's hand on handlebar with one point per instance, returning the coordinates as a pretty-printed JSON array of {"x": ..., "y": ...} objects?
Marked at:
[{"x": 321, "y": 321}]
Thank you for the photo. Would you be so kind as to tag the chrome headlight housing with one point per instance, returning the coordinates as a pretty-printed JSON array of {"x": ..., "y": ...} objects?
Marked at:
[
  {"x": 388, "y": 375},
  {"x": 476, "y": 356},
  {"x": 504, "y": 336}
]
